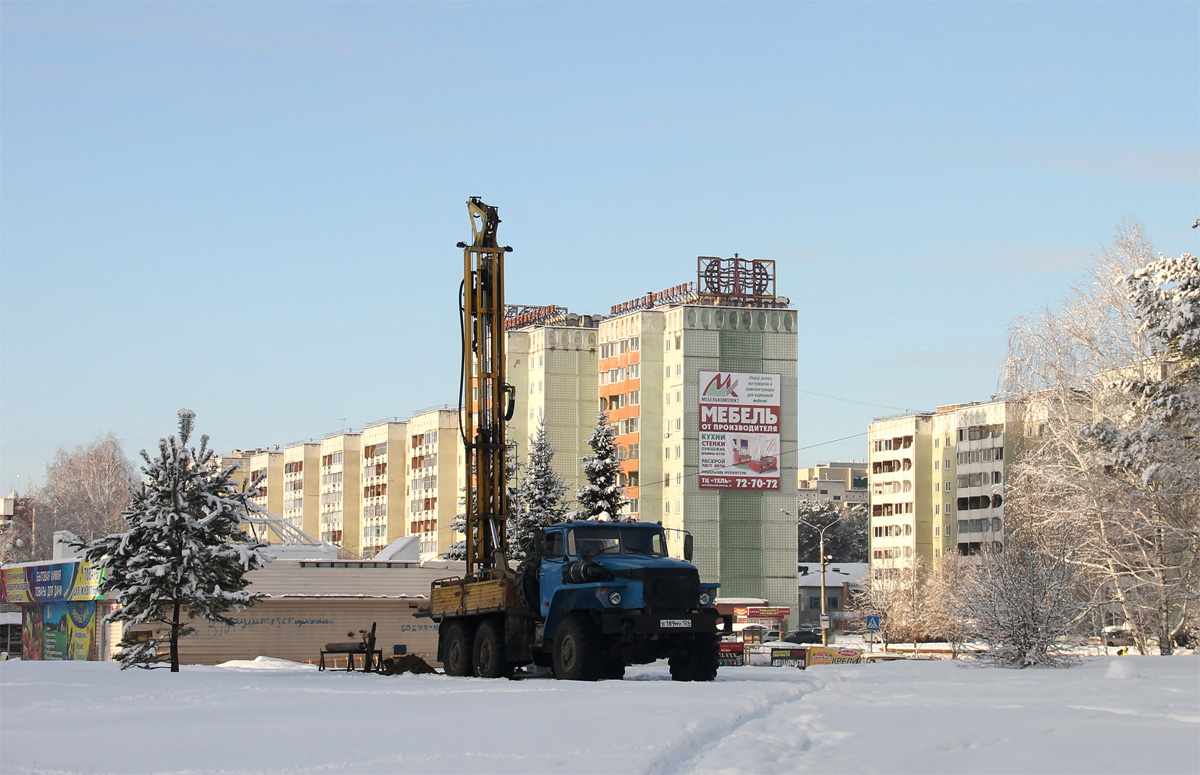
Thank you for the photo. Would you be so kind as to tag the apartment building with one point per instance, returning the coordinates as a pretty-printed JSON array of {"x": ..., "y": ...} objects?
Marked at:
[
  {"x": 630, "y": 385},
  {"x": 936, "y": 481},
  {"x": 341, "y": 468},
  {"x": 707, "y": 423},
  {"x": 434, "y": 478},
  {"x": 384, "y": 516},
  {"x": 302, "y": 486},
  {"x": 552, "y": 364},
  {"x": 835, "y": 481},
  {"x": 266, "y": 468}
]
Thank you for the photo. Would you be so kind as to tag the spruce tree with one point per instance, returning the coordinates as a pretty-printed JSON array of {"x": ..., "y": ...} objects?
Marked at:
[
  {"x": 603, "y": 497},
  {"x": 458, "y": 549},
  {"x": 539, "y": 496},
  {"x": 184, "y": 553}
]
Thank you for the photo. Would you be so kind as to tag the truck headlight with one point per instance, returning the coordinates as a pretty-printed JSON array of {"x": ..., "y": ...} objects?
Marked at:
[
  {"x": 705, "y": 598},
  {"x": 614, "y": 598}
]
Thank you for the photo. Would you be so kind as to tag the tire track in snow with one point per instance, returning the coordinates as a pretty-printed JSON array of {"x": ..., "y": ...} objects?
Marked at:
[{"x": 699, "y": 737}]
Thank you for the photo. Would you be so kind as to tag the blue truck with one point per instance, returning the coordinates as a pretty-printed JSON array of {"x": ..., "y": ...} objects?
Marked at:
[{"x": 590, "y": 599}]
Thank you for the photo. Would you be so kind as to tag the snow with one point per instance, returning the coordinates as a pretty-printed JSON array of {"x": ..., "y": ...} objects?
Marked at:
[{"x": 1107, "y": 715}]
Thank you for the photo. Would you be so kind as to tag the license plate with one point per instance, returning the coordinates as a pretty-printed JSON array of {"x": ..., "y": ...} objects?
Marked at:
[{"x": 674, "y": 623}]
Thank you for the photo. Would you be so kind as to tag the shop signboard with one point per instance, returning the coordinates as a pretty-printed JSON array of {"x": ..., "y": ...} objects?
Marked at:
[
  {"x": 732, "y": 654},
  {"x": 739, "y": 431},
  {"x": 833, "y": 656},
  {"x": 787, "y": 657},
  {"x": 52, "y": 582}
]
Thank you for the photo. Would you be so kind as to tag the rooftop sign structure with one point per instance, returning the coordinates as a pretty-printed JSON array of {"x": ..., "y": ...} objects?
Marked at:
[{"x": 736, "y": 282}]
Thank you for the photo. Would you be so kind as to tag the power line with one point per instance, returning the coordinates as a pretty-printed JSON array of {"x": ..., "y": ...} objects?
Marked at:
[
  {"x": 781, "y": 453},
  {"x": 852, "y": 401}
]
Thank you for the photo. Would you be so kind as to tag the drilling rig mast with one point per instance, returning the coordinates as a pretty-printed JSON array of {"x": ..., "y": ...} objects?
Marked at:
[{"x": 486, "y": 400}]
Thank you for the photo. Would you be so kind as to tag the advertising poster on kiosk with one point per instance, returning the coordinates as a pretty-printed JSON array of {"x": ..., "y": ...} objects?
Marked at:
[
  {"x": 58, "y": 609},
  {"x": 739, "y": 431}
]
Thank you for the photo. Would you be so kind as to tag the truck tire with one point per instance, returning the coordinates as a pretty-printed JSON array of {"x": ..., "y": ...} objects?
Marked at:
[
  {"x": 700, "y": 662},
  {"x": 459, "y": 648},
  {"x": 488, "y": 656},
  {"x": 707, "y": 657},
  {"x": 576, "y": 649},
  {"x": 613, "y": 670}
]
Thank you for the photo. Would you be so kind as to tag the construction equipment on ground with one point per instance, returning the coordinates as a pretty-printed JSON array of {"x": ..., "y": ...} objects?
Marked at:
[{"x": 591, "y": 597}]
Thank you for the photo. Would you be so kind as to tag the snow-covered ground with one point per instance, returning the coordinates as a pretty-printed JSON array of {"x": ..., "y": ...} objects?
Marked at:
[{"x": 1124, "y": 715}]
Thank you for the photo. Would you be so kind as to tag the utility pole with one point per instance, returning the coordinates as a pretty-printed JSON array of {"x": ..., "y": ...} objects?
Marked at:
[{"x": 821, "y": 533}]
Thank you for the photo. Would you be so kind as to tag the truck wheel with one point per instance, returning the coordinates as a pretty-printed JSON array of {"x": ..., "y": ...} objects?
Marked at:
[
  {"x": 460, "y": 643},
  {"x": 613, "y": 670},
  {"x": 576, "y": 649},
  {"x": 700, "y": 662},
  {"x": 706, "y": 657},
  {"x": 489, "y": 651}
]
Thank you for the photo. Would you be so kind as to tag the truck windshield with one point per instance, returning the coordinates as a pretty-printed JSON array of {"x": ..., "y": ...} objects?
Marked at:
[{"x": 610, "y": 540}]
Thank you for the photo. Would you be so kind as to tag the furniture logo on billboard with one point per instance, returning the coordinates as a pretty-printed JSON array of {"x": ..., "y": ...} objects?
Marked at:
[{"x": 739, "y": 431}]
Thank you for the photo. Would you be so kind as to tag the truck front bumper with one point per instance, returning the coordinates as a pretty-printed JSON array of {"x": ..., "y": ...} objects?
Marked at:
[{"x": 619, "y": 622}]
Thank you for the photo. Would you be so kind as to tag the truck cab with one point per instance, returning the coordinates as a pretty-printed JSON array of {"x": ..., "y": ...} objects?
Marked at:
[{"x": 616, "y": 583}]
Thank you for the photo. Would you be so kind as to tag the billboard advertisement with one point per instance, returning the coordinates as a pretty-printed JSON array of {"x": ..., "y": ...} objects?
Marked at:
[
  {"x": 51, "y": 582},
  {"x": 69, "y": 632},
  {"x": 739, "y": 431},
  {"x": 731, "y": 655},
  {"x": 833, "y": 656}
]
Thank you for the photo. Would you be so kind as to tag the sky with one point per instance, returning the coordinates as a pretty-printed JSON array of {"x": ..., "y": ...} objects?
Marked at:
[
  {"x": 250, "y": 209},
  {"x": 1118, "y": 715}
]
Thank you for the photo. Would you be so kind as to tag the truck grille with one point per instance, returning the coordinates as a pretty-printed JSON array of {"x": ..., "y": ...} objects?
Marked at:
[{"x": 671, "y": 589}]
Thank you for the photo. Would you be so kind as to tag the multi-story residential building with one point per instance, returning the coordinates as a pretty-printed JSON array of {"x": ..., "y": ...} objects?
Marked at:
[
  {"x": 714, "y": 420},
  {"x": 835, "y": 481},
  {"x": 551, "y": 362},
  {"x": 900, "y": 489},
  {"x": 302, "y": 486},
  {"x": 435, "y": 463},
  {"x": 384, "y": 465},
  {"x": 630, "y": 390},
  {"x": 937, "y": 481},
  {"x": 266, "y": 468},
  {"x": 341, "y": 467}
]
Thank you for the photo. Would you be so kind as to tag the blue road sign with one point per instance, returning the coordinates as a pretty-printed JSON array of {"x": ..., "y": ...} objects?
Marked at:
[{"x": 872, "y": 624}]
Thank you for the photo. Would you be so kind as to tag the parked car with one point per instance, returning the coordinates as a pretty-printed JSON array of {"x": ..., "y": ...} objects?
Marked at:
[
  {"x": 804, "y": 636},
  {"x": 1116, "y": 635}
]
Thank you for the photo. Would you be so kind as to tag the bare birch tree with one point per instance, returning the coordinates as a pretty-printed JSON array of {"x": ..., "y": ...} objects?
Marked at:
[
  {"x": 1110, "y": 460},
  {"x": 86, "y": 491}
]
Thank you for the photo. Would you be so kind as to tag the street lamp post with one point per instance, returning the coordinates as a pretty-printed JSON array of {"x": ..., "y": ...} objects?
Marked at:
[{"x": 821, "y": 533}]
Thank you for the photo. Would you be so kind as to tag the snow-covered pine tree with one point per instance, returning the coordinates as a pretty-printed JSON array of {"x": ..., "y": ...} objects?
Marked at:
[
  {"x": 184, "y": 553},
  {"x": 539, "y": 496},
  {"x": 603, "y": 497},
  {"x": 458, "y": 549}
]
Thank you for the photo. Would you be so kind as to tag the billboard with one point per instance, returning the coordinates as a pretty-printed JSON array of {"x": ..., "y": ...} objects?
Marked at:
[
  {"x": 51, "y": 582},
  {"x": 739, "y": 431},
  {"x": 833, "y": 656},
  {"x": 731, "y": 654}
]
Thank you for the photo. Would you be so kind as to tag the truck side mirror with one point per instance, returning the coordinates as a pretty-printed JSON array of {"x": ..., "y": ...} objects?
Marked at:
[{"x": 687, "y": 546}]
